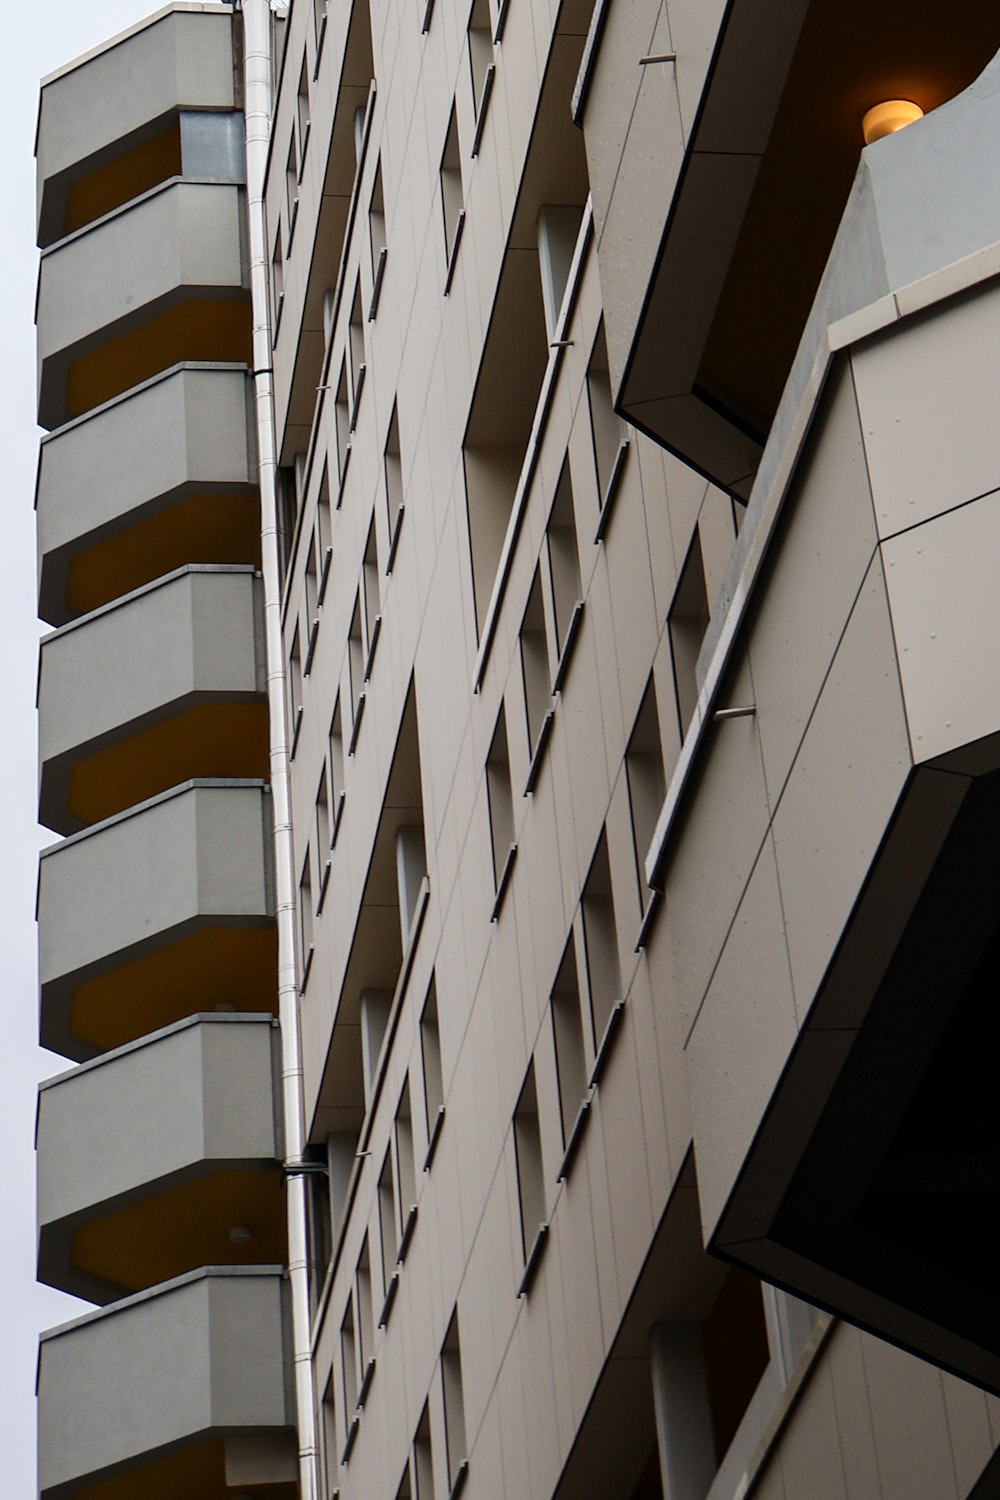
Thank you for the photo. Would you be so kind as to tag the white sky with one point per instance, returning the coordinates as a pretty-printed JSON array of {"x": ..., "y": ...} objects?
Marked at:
[{"x": 40, "y": 37}]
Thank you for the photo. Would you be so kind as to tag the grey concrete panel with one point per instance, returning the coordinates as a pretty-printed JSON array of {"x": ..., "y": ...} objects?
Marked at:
[
  {"x": 820, "y": 559},
  {"x": 183, "y": 433},
  {"x": 197, "y": 1092},
  {"x": 183, "y": 235},
  {"x": 928, "y": 393},
  {"x": 195, "y": 855},
  {"x": 945, "y": 604},
  {"x": 724, "y": 829},
  {"x": 201, "y": 1356},
  {"x": 842, "y": 790},
  {"x": 742, "y": 1038},
  {"x": 88, "y": 108},
  {"x": 181, "y": 640}
]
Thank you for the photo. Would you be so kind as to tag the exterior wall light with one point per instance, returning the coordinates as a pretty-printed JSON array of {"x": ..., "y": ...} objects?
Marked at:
[{"x": 883, "y": 119}]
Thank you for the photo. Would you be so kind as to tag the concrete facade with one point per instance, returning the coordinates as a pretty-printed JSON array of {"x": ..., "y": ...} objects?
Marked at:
[{"x": 643, "y": 718}]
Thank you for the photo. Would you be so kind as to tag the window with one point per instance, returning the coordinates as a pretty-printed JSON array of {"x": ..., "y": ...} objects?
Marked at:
[
  {"x": 535, "y": 674},
  {"x": 371, "y": 599},
  {"x": 342, "y": 412},
  {"x": 452, "y": 191},
  {"x": 688, "y": 621},
  {"x": 528, "y": 1159},
  {"x": 302, "y": 114},
  {"x": 376, "y": 234},
  {"x": 405, "y": 1158},
  {"x": 563, "y": 557},
  {"x": 305, "y": 919},
  {"x": 601, "y": 942},
  {"x": 647, "y": 785},
  {"x": 454, "y": 1402},
  {"x": 411, "y": 872},
  {"x": 349, "y": 1359},
  {"x": 335, "y": 765},
  {"x": 567, "y": 1031},
  {"x": 328, "y": 1434},
  {"x": 324, "y": 534},
  {"x": 500, "y": 803},
  {"x": 480, "y": 46},
  {"x": 291, "y": 192},
  {"x": 605, "y": 427},
  {"x": 364, "y": 1314},
  {"x": 430, "y": 1052},
  {"x": 423, "y": 1461},
  {"x": 320, "y": 1236},
  {"x": 322, "y": 824},
  {"x": 393, "y": 484},
  {"x": 277, "y": 285},
  {"x": 558, "y": 229},
  {"x": 356, "y": 655},
  {"x": 294, "y": 690},
  {"x": 388, "y": 1218},
  {"x": 356, "y": 340}
]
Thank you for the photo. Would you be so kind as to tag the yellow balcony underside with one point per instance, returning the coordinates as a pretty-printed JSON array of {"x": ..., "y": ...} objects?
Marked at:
[
  {"x": 200, "y": 529},
  {"x": 211, "y": 739},
  {"x": 184, "y": 1227},
  {"x": 195, "y": 1473},
  {"x": 233, "y": 967},
  {"x": 199, "y": 329},
  {"x": 119, "y": 181}
]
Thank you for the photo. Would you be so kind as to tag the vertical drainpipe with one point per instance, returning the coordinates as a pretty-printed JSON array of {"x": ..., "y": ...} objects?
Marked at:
[{"x": 257, "y": 116}]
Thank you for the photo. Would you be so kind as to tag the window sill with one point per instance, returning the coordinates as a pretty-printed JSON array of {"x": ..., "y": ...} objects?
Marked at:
[
  {"x": 377, "y": 283},
  {"x": 311, "y": 646},
  {"x": 296, "y": 727},
  {"x": 566, "y": 655},
  {"x": 534, "y": 1259},
  {"x": 503, "y": 882},
  {"x": 307, "y": 964},
  {"x": 376, "y": 632},
  {"x": 359, "y": 386},
  {"x": 425, "y": 24},
  {"x": 407, "y": 1235},
  {"x": 538, "y": 756},
  {"x": 649, "y": 917},
  {"x": 394, "y": 539},
  {"x": 341, "y": 799},
  {"x": 611, "y": 490},
  {"x": 390, "y": 1297},
  {"x": 343, "y": 475},
  {"x": 320, "y": 39},
  {"x": 324, "y": 881},
  {"x": 575, "y": 1137},
  {"x": 324, "y": 576},
  {"x": 484, "y": 105},
  {"x": 359, "y": 713},
  {"x": 453, "y": 257},
  {"x": 434, "y": 1137},
  {"x": 611, "y": 1031}
]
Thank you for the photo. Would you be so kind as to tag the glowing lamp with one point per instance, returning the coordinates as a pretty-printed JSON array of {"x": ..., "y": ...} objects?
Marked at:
[{"x": 883, "y": 119}]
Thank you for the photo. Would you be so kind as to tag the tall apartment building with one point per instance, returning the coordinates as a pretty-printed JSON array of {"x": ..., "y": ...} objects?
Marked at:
[{"x": 522, "y": 719}]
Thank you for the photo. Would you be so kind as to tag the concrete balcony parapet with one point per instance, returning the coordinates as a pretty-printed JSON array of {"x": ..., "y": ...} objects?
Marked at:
[
  {"x": 157, "y": 913},
  {"x": 161, "y": 1157},
  {"x": 168, "y": 1390},
  {"x": 162, "y": 476},
  {"x": 186, "y": 697},
  {"x": 166, "y": 280},
  {"x": 116, "y": 99}
]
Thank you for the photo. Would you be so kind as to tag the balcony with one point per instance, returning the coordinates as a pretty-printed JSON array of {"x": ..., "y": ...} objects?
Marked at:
[
  {"x": 156, "y": 914},
  {"x": 832, "y": 893},
  {"x": 179, "y": 1391},
  {"x": 162, "y": 477},
  {"x": 109, "y": 112},
  {"x": 185, "y": 700},
  {"x": 165, "y": 283},
  {"x": 161, "y": 1157}
]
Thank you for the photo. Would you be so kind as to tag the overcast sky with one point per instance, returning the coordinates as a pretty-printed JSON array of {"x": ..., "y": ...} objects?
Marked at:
[{"x": 40, "y": 38}]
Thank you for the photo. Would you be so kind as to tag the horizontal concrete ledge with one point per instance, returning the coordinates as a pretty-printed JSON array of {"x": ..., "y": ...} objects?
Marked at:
[
  {"x": 199, "y": 1357},
  {"x": 201, "y": 1018}
]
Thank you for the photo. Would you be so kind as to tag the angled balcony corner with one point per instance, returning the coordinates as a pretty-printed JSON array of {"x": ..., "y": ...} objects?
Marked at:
[
  {"x": 166, "y": 282},
  {"x": 157, "y": 913},
  {"x": 105, "y": 122},
  {"x": 186, "y": 698},
  {"x": 162, "y": 476},
  {"x": 182, "y": 1390},
  {"x": 853, "y": 1168},
  {"x": 161, "y": 1157}
]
